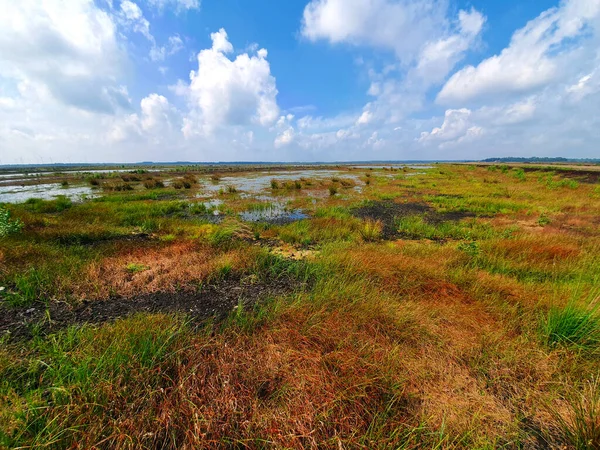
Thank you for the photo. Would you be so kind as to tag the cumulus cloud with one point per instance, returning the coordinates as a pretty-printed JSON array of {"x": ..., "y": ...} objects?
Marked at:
[
  {"x": 457, "y": 122},
  {"x": 287, "y": 133},
  {"x": 68, "y": 49},
  {"x": 537, "y": 55},
  {"x": 438, "y": 57},
  {"x": 425, "y": 36},
  {"x": 157, "y": 121},
  {"x": 396, "y": 25},
  {"x": 225, "y": 92},
  {"x": 131, "y": 15}
]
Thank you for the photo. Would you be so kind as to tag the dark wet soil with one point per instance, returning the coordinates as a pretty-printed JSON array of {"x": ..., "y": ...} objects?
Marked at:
[
  {"x": 90, "y": 239},
  {"x": 211, "y": 301},
  {"x": 582, "y": 176},
  {"x": 388, "y": 212}
]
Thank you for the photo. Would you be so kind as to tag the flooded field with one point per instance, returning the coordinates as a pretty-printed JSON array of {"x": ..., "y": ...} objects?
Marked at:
[
  {"x": 50, "y": 191},
  {"x": 78, "y": 185}
]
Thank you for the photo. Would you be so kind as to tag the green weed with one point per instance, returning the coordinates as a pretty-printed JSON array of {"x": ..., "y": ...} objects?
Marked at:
[{"x": 7, "y": 225}]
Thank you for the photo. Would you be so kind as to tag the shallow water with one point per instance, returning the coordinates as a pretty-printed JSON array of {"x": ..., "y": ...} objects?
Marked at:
[
  {"x": 257, "y": 182},
  {"x": 19, "y": 194},
  {"x": 274, "y": 213}
]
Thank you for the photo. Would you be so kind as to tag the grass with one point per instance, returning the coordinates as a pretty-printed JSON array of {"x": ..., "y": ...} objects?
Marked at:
[
  {"x": 463, "y": 330},
  {"x": 576, "y": 324},
  {"x": 580, "y": 425}
]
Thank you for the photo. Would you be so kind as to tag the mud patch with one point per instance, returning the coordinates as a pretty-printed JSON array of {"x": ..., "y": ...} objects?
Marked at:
[
  {"x": 211, "y": 301},
  {"x": 581, "y": 175},
  {"x": 389, "y": 212}
]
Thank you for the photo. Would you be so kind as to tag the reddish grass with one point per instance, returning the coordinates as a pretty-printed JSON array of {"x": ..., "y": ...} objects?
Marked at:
[{"x": 180, "y": 265}]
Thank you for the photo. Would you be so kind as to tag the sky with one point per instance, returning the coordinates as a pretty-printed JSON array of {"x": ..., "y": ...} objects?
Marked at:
[{"x": 85, "y": 81}]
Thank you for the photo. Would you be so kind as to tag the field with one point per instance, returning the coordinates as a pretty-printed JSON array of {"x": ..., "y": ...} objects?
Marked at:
[{"x": 444, "y": 306}]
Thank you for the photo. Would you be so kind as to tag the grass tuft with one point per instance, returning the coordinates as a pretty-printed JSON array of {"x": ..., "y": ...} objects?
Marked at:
[{"x": 576, "y": 325}]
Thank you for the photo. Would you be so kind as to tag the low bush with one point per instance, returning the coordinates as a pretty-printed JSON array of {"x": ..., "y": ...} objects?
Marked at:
[{"x": 7, "y": 225}]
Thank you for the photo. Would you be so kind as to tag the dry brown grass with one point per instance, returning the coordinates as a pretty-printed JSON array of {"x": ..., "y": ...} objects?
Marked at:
[{"x": 181, "y": 265}]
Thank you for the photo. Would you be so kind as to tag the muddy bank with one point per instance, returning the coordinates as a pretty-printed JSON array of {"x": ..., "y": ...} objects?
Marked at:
[
  {"x": 212, "y": 301},
  {"x": 389, "y": 212}
]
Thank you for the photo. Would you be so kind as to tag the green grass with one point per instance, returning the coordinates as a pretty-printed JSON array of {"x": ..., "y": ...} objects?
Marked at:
[
  {"x": 577, "y": 324},
  {"x": 93, "y": 367},
  {"x": 417, "y": 227},
  {"x": 37, "y": 205},
  {"x": 136, "y": 268}
]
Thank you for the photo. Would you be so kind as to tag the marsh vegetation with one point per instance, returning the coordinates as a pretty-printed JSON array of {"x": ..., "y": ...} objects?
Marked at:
[{"x": 451, "y": 306}]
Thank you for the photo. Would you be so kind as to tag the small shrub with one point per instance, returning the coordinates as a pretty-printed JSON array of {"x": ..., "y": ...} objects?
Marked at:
[
  {"x": 7, "y": 225},
  {"x": 190, "y": 179},
  {"x": 153, "y": 184},
  {"x": 215, "y": 177},
  {"x": 275, "y": 184},
  {"x": 333, "y": 190},
  {"x": 231, "y": 190},
  {"x": 64, "y": 183}
]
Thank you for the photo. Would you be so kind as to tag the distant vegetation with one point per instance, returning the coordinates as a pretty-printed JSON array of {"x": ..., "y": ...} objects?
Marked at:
[{"x": 543, "y": 160}]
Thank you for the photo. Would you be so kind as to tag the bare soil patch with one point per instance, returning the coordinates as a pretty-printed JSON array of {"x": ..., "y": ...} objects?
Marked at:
[
  {"x": 589, "y": 176},
  {"x": 212, "y": 301},
  {"x": 388, "y": 212}
]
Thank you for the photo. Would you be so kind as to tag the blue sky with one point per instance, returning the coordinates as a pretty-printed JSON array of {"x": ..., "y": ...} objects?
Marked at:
[{"x": 297, "y": 80}]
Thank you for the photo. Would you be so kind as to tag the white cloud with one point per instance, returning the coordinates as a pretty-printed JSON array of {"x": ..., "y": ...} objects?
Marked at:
[
  {"x": 131, "y": 15},
  {"x": 397, "y": 25},
  {"x": 68, "y": 49},
  {"x": 176, "y": 5},
  {"x": 174, "y": 45},
  {"x": 426, "y": 39},
  {"x": 538, "y": 54},
  {"x": 586, "y": 85},
  {"x": 157, "y": 122},
  {"x": 230, "y": 92},
  {"x": 457, "y": 122},
  {"x": 438, "y": 57},
  {"x": 365, "y": 118},
  {"x": 285, "y": 138}
]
